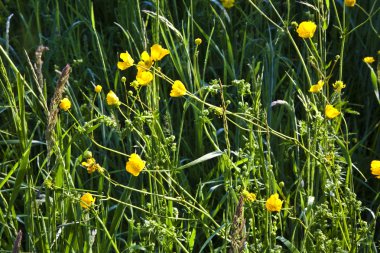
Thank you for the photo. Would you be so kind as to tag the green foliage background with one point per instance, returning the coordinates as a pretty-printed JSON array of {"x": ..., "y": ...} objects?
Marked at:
[{"x": 256, "y": 63}]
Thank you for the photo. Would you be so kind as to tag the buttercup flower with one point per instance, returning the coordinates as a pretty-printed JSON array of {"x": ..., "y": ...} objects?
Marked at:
[
  {"x": 146, "y": 59},
  {"x": 198, "y": 41},
  {"x": 141, "y": 67},
  {"x": 350, "y": 3},
  {"x": 92, "y": 166},
  {"x": 157, "y": 52},
  {"x": 331, "y": 112},
  {"x": 228, "y": 3},
  {"x": 126, "y": 62},
  {"x": 317, "y": 87},
  {"x": 338, "y": 86},
  {"x": 368, "y": 59},
  {"x": 178, "y": 89},
  {"x": 89, "y": 164},
  {"x": 86, "y": 200},
  {"x": 144, "y": 77},
  {"x": 306, "y": 29},
  {"x": 135, "y": 164},
  {"x": 375, "y": 168},
  {"x": 273, "y": 204},
  {"x": 112, "y": 99},
  {"x": 98, "y": 88},
  {"x": 65, "y": 104},
  {"x": 248, "y": 196}
]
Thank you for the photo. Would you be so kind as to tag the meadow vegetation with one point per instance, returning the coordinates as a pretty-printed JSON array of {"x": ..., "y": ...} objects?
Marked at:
[{"x": 190, "y": 126}]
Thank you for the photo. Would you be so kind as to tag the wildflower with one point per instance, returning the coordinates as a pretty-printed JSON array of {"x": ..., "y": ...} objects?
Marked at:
[
  {"x": 112, "y": 99},
  {"x": 146, "y": 59},
  {"x": 350, "y": 3},
  {"x": 375, "y": 168},
  {"x": 228, "y": 3},
  {"x": 135, "y": 164},
  {"x": 248, "y": 196},
  {"x": 178, "y": 89},
  {"x": 331, "y": 112},
  {"x": 198, "y": 41},
  {"x": 317, "y": 87},
  {"x": 86, "y": 200},
  {"x": 126, "y": 62},
  {"x": 368, "y": 59},
  {"x": 158, "y": 52},
  {"x": 338, "y": 86},
  {"x": 91, "y": 166},
  {"x": 141, "y": 67},
  {"x": 273, "y": 204},
  {"x": 65, "y": 104},
  {"x": 306, "y": 29},
  {"x": 144, "y": 77},
  {"x": 98, "y": 88}
]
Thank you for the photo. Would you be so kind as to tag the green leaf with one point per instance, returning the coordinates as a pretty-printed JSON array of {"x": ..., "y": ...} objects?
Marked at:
[
  {"x": 202, "y": 159},
  {"x": 288, "y": 244},
  {"x": 210, "y": 238},
  {"x": 6, "y": 178},
  {"x": 24, "y": 164},
  {"x": 375, "y": 84}
]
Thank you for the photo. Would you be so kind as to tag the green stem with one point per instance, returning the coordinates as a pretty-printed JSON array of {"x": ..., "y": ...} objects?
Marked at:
[
  {"x": 300, "y": 57},
  {"x": 106, "y": 231},
  {"x": 342, "y": 45}
]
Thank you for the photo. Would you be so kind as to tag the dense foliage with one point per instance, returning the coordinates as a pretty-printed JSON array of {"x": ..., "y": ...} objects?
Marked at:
[{"x": 189, "y": 126}]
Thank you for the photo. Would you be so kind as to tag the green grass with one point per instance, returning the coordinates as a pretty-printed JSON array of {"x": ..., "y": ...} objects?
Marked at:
[{"x": 248, "y": 122}]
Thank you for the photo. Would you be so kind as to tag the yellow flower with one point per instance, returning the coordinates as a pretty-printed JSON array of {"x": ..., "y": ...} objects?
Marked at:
[
  {"x": 273, "y": 204},
  {"x": 306, "y": 29},
  {"x": 92, "y": 166},
  {"x": 144, "y": 77},
  {"x": 178, "y": 89},
  {"x": 198, "y": 41},
  {"x": 126, "y": 62},
  {"x": 317, "y": 87},
  {"x": 350, "y": 3},
  {"x": 228, "y": 3},
  {"x": 135, "y": 164},
  {"x": 141, "y": 67},
  {"x": 98, "y": 88},
  {"x": 338, "y": 86},
  {"x": 89, "y": 164},
  {"x": 86, "y": 200},
  {"x": 331, "y": 112},
  {"x": 375, "y": 168},
  {"x": 146, "y": 59},
  {"x": 158, "y": 52},
  {"x": 65, "y": 104},
  {"x": 368, "y": 59},
  {"x": 248, "y": 196},
  {"x": 112, "y": 99}
]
